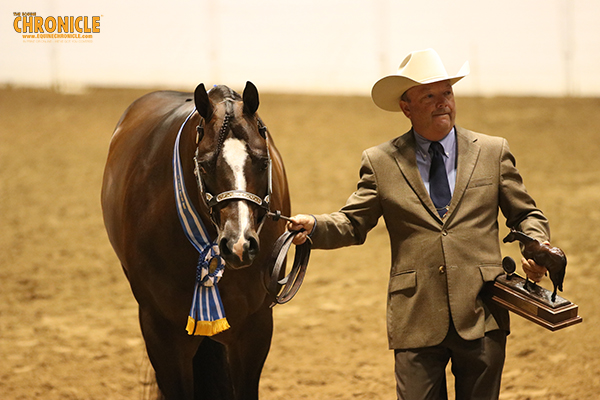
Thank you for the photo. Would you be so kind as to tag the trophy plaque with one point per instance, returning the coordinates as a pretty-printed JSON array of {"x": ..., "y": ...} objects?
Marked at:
[{"x": 532, "y": 301}]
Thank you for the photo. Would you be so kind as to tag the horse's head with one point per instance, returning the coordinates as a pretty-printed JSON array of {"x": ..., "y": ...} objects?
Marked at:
[{"x": 233, "y": 166}]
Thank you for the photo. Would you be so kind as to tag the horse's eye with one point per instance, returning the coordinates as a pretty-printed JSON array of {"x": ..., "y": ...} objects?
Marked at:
[
  {"x": 263, "y": 163},
  {"x": 262, "y": 130}
]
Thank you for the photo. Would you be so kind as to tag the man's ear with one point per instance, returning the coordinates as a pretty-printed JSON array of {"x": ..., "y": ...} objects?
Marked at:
[{"x": 405, "y": 107}]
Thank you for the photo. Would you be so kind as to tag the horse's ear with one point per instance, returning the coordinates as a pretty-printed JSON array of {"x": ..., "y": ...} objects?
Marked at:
[
  {"x": 202, "y": 102},
  {"x": 250, "y": 97}
]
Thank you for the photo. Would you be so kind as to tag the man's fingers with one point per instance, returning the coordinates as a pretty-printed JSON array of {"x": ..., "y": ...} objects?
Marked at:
[
  {"x": 301, "y": 221},
  {"x": 533, "y": 271},
  {"x": 294, "y": 225},
  {"x": 300, "y": 238}
]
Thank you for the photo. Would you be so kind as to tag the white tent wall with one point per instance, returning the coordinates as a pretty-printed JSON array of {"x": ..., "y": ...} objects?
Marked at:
[{"x": 515, "y": 47}]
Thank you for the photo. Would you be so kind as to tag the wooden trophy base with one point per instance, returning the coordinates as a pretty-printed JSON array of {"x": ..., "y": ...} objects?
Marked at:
[{"x": 534, "y": 303}]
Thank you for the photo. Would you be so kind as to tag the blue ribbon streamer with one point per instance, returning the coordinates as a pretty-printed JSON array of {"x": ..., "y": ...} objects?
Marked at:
[{"x": 207, "y": 315}]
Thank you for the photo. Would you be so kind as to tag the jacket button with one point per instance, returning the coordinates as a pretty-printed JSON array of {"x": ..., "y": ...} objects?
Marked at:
[{"x": 442, "y": 269}]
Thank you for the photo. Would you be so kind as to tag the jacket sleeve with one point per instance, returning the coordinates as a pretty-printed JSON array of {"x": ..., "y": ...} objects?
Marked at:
[
  {"x": 516, "y": 204},
  {"x": 350, "y": 225}
]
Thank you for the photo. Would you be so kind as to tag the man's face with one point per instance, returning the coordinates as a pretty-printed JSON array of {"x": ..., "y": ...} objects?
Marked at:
[{"x": 431, "y": 109}]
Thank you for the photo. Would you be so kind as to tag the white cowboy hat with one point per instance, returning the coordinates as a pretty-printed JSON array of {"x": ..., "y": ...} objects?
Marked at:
[{"x": 418, "y": 68}]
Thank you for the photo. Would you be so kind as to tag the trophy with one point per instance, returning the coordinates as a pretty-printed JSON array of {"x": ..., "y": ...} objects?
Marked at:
[{"x": 526, "y": 298}]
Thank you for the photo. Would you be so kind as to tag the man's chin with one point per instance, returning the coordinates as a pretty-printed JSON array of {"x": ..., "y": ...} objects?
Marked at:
[
  {"x": 442, "y": 117},
  {"x": 443, "y": 122}
]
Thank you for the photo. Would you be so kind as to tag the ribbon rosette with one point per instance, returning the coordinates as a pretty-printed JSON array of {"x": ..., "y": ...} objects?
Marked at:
[{"x": 206, "y": 316}]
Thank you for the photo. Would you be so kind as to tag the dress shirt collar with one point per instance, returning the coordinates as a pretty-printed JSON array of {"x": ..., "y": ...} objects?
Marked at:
[{"x": 448, "y": 143}]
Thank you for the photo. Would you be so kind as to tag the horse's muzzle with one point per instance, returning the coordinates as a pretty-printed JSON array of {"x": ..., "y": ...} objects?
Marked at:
[{"x": 239, "y": 252}]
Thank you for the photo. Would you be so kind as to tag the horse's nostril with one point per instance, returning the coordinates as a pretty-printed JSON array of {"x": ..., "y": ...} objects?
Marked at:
[
  {"x": 224, "y": 247},
  {"x": 253, "y": 246}
]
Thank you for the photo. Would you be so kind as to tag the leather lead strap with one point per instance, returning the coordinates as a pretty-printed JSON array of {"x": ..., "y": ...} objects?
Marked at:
[{"x": 283, "y": 290}]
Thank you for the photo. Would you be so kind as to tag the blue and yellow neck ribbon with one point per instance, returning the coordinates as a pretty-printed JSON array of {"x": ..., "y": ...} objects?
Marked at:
[{"x": 207, "y": 315}]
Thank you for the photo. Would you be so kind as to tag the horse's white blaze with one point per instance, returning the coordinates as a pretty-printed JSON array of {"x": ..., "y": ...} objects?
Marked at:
[{"x": 235, "y": 155}]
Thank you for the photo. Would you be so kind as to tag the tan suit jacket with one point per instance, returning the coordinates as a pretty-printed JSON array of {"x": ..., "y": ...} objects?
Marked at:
[{"x": 438, "y": 266}]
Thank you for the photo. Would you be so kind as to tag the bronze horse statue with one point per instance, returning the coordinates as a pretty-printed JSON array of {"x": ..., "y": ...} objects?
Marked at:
[
  {"x": 238, "y": 171},
  {"x": 552, "y": 258}
]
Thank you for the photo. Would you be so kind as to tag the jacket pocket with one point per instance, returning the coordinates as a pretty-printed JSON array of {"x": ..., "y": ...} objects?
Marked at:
[
  {"x": 479, "y": 182},
  {"x": 403, "y": 281},
  {"x": 490, "y": 272}
]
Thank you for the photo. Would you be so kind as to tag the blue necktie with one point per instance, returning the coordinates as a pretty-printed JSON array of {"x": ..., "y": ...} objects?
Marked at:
[{"x": 439, "y": 189}]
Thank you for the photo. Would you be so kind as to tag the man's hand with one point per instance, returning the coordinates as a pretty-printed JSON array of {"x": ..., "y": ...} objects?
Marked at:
[
  {"x": 301, "y": 221},
  {"x": 533, "y": 271}
]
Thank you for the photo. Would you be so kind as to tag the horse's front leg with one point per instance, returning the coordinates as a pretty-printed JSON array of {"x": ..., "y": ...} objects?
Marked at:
[
  {"x": 247, "y": 354},
  {"x": 171, "y": 352}
]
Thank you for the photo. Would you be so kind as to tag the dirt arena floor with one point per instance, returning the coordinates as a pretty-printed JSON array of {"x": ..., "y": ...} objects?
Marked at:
[{"x": 68, "y": 321}]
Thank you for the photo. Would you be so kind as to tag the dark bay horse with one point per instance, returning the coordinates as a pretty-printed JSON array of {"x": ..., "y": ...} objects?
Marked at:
[{"x": 235, "y": 156}]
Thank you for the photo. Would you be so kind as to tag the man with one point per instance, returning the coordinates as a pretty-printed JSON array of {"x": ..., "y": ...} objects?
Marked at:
[{"x": 439, "y": 188}]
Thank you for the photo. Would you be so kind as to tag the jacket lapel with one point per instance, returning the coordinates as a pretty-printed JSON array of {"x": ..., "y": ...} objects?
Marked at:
[
  {"x": 406, "y": 159},
  {"x": 467, "y": 150}
]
